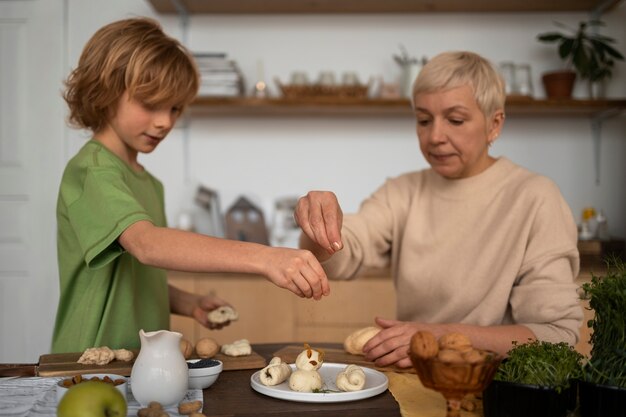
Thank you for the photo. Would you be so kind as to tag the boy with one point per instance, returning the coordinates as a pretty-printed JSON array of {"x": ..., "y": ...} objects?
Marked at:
[{"x": 131, "y": 84}]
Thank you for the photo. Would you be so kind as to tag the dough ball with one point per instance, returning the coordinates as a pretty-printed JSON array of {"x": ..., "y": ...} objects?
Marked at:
[
  {"x": 186, "y": 348},
  {"x": 352, "y": 378},
  {"x": 424, "y": 345},
  {"x": 222, "y": 315},
  {"x": 309, "y": 359},
  {"x": 123, "y": 355},
  {"x": 237, "y": 348},
  {"x": 305, "y": 381},
  {"x": 355, "y": 341},
  {"x": 207, "y": 347}
]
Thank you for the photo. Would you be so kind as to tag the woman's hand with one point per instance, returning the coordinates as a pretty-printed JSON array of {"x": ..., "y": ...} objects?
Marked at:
[
  {"x": 319, "y": 216},
  {"x": 391, "y": 345},
  {"x": 298, "y": 271}
]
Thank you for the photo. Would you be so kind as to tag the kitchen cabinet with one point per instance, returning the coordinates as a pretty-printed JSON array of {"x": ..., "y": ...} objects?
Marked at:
[{"x": 268, "y": 314}]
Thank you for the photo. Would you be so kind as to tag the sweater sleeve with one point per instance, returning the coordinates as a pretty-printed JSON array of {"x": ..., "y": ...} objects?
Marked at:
[
  {"x": 367, "y": 235},
  {"x": 544, "y": 297}
]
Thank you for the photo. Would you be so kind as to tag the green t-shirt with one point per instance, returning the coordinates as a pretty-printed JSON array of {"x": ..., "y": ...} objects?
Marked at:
[{"x": 107, "y": 295}]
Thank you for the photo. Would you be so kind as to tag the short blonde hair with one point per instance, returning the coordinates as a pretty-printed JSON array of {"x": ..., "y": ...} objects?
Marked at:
[
  {"x": 455, "y": 69},
  {"x": 131, "y": 55}
]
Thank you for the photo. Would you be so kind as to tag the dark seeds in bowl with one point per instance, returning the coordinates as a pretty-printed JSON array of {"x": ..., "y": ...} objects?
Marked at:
[{"x": 202, "y": 363}]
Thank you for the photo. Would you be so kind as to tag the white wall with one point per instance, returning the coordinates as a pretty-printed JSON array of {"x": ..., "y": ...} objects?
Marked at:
[
  {"x": 269, "y": 157},
  {"x": 274, "y": 156}
]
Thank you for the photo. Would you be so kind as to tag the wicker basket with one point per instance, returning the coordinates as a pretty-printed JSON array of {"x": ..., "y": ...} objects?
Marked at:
[{"x": 316, "y": 90}]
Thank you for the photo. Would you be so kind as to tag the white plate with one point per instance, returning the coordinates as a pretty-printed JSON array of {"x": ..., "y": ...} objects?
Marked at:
[{"x": 375, "y": 383}]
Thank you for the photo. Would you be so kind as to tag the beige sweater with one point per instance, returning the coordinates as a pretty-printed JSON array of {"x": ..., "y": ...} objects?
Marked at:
[{"x": 496, "y": 248}]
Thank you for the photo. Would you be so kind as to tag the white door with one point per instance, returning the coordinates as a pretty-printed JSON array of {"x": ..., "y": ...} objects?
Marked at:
[{"x": 32, "y": 130}]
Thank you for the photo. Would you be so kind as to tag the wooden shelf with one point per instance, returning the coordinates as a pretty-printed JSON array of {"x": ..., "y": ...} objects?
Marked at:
[
  {"x": 324, "y": 106},
  {"x": 378, "y": 6}
]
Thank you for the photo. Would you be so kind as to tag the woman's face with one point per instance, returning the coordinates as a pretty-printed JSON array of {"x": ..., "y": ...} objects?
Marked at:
[{"x": 453, "y": 132}]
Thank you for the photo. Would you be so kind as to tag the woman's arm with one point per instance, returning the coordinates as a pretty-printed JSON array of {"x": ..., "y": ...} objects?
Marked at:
[{"x": 390, "y": 346}]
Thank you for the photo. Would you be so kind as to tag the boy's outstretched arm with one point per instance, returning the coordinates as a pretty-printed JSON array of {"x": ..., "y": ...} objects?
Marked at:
[{"x": 296, "y": 270}]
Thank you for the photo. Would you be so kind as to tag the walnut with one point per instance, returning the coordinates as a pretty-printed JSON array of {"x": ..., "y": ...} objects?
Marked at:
[
  {"x": 207, "y": 347},
  {"x": 455, "y": 341},
  {"x": 186, "y": 348},
  {"x": 424, "y": 345}
]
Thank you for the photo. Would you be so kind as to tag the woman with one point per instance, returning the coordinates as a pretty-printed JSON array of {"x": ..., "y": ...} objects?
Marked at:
[{"x": 476, "y": 244}]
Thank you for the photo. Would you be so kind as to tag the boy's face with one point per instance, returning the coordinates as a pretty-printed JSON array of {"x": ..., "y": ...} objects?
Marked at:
[{"x": 141, "y": 128}]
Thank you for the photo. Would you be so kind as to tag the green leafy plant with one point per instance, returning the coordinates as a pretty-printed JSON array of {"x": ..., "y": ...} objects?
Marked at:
[
  {"x": 584, "y": 50},
  {"x": 607, "y": 297},
  {"x": 551, "y": 365}
]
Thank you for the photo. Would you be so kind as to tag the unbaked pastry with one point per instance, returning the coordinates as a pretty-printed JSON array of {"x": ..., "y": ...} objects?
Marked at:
[
  {"x": 237, "y": 348},
  {"x": 97, "y": 356},
  {"x": 123, "y": 355},
  {"x": 305, "y": 381},
  {"x": 355, "y": 341},
  {"x": 275, "y": 373},
  {"x": 310, "y": 359},
  {"x": 222, "y": 315},
  {"x": 352, "y": 378}
]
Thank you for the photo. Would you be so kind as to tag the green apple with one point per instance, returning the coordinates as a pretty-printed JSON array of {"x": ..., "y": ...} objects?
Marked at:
[{"x": 92, "y": 399}]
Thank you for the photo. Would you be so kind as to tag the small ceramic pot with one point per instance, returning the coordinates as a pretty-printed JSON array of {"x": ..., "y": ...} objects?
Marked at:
[
  {"x": 601, "y": 400},
  {"x": 508, "y": 399},
  {"x": 559, "y": 84}
]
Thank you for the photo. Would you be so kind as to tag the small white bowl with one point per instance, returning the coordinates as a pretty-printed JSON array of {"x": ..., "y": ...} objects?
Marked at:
[
  {"x": 123, "y": 388},
  {"x": 201, "y": 378}
]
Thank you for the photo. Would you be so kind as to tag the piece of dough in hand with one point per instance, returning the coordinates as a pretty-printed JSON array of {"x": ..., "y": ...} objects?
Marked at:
[
  {"x": 237, "y": 348},
  {"x": 352, "y": 378},
  {"x": 305, "y": 381},
  {"x": 355, "y": 341},
  {"x": 222, "y": 315},
  {"x": 275, "y": 373}
]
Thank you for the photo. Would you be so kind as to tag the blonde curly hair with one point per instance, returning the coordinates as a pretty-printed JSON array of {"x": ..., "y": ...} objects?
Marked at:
[{"x": 131, "y": 55}]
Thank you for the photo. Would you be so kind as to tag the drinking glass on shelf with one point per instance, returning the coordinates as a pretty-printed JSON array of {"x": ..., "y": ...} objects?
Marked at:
[
  {"x": 523, "y": 80},
  {"x": 507, "y": 69}
]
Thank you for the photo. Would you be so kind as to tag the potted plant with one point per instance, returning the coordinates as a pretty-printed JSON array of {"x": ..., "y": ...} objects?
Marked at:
[
  {"x": 537, "y": 379},
  {"x": 586, "y": 53},
  {"x": 603, "y": 386}
]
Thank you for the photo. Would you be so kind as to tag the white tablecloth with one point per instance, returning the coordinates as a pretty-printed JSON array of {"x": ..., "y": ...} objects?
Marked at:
[{"x": 36, "y": 397}]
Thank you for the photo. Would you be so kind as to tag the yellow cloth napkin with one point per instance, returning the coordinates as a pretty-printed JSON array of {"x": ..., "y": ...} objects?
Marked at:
[{"x": 417, "y": 401}]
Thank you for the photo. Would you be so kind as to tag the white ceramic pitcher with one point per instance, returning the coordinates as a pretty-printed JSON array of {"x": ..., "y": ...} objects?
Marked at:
[{"x": 160, "y": 372}]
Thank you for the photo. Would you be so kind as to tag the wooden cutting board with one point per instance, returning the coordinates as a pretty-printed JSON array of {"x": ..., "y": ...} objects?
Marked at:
[
  {"x": 65, "y": 364},
  {"x": 290, "y": 353}
]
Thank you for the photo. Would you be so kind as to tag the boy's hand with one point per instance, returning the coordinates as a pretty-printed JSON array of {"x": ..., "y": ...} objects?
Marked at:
[
  {"x": 206, "y": 304},
  {"x": 298, "y": 271},
  {"x": 319, "y": 216}
]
